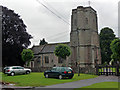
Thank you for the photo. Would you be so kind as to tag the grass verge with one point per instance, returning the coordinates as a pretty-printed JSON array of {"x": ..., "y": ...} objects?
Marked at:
[{"x": 101, "y": 86}]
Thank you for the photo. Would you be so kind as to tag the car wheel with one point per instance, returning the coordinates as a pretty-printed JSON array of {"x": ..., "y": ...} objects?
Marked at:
[
  {"x": 27, "y": 72},
  {"x": 12, "y": 73},
  {"x": 60, "y": 77},
  {"x": 46, "y": 76}
]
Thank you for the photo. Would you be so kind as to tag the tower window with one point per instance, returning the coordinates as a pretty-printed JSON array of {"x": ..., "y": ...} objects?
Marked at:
[
  {"x": 52, "y": 61},
  {"x": 86, "y": 20},
  {"x": 75, "y": 22}
]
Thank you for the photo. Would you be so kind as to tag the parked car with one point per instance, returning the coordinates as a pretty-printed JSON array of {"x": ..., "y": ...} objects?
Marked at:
[
  {"x": 13, "y": 70},
  {"x": 59, "y": 72}
]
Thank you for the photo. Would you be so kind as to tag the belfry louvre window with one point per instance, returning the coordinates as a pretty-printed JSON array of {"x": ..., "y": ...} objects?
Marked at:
[{"x": 46, "y": 59}]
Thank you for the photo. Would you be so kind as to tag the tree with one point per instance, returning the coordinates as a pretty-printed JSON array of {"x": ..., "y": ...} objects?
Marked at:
[
  {"x": 27, "y": 55},
  {"x": 14, "y": 38},
  {"x": 115, "y": 47},
  {"x": 43, "y": 42},
  {"x": 62, "y": 51},
  {"x": 106, "y": 37}
]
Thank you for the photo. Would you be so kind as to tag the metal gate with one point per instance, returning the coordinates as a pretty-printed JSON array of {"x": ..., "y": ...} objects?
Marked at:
[{"x": 108, "y": 70}]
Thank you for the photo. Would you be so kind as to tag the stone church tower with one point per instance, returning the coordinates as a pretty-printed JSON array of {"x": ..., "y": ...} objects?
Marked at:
[{"x": 84, "y": 39}]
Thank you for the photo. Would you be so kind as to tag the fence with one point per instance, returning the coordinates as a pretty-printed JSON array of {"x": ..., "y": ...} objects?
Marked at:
[{"x": 108, "y": 70}]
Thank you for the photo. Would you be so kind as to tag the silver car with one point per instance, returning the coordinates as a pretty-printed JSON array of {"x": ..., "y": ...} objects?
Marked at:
[{"x": 13, "y": 70}]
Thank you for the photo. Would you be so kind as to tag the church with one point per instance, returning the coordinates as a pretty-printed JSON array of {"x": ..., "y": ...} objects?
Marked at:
[{"x": 84, "y": 43}]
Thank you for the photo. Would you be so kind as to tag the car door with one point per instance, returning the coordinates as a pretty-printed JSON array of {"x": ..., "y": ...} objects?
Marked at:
[
  {"x": 16, "y": 70},
  {"x": 20, "y": 70},
  {"x": 56, "y": 72},
  {"x": 52, "y": 72}
]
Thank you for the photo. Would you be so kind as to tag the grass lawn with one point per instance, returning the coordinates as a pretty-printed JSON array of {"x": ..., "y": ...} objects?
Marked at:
[
  {"x": 101, "y": 85},
  {"x": 38, "y": 79}
]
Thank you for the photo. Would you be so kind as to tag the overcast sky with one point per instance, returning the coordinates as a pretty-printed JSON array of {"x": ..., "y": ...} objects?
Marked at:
[{"x": 41, "y": 23}]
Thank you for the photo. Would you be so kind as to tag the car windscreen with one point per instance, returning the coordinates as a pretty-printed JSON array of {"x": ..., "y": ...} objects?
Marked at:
[
  {"x": 69, "y": 68},
  {"x": 54, "y": 68},
  {"x": 20, "y": 67},
  {"x": 6, "y": 68},
  {"x": 66, "y": 69},
  {"x": 14, "y": 67}
]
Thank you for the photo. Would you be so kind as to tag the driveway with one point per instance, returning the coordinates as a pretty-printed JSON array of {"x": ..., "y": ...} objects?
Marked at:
[{"x": 71, "y": 85}]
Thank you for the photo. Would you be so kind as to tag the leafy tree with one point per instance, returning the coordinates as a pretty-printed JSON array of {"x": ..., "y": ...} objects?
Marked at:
[
  {"x": 43, "y": 42},
  {"x": 62, "y": 51},
  {"x": 115, "y": 47},
  {"x": 14, "y": 37},
  {"x": 106, "y": 37},
  {"x": 27, "y": 55},
  {"x": 105, "y": 63}
]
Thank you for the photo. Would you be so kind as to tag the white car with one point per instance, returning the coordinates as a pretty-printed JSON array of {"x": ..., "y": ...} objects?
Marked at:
[{"x": 13, "y": 70}]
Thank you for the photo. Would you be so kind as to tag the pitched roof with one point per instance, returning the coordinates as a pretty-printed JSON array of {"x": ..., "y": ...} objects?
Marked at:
[
  {"x": 48, "y": 48},
  {"x": 37, "y": 49}
]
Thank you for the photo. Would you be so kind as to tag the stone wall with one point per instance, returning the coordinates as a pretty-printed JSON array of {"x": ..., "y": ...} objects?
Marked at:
[
  {"x": 85, "y": 70},
  {"x": 40, "y": 69}
]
